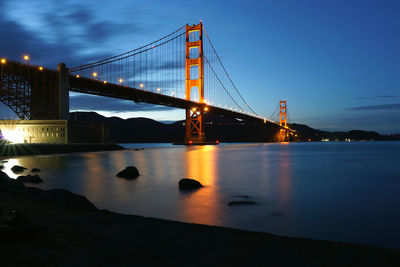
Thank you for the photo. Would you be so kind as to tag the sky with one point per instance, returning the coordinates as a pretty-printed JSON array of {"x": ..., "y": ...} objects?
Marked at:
[{"x": 337, "y": 63}]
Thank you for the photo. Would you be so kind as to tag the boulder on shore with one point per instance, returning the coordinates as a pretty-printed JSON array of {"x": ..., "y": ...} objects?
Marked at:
[
  {"x": 36, "y": 170},
  {"x": 29, "y": 179},
  {"x": 17, "y": 169},
  {"x": 189, "y": 184},
  {"x": 129, "y": 173}
]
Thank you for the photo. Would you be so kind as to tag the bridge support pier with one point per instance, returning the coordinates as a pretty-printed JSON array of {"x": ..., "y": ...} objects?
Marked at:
[
  {"x": 194, "y": 132},
  {"x": 63, "y": 92}
]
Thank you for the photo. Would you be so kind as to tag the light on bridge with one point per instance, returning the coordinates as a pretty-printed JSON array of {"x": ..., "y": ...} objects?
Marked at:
[
  {"x": 40, "y": 68},
  {"x": 105, "y": 82},
  {"x": 158, "y": 89},
  {"x": 173, "y": 93},
  {"x": 194, "y": 109},
  {"x": 141, "y": 85},
  {"x": 26, "y": 57},
  {"x": 206, "y": 108},
  {"x": 77, "y": 76},
  {"x": 121, "y": 80},
  {"x": 94, "y": 74},
  {"x": 3, "y": 61}
]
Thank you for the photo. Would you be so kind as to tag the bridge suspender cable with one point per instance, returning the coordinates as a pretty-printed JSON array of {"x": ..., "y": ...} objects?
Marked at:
[
  {"x": 227, "y": 73},
  {"x": 222, "y": 83}
]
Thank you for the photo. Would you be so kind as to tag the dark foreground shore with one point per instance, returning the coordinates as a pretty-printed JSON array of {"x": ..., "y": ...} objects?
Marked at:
[
  {"x": 43, "y": 149},
  {"x": 58, "y": 228}
]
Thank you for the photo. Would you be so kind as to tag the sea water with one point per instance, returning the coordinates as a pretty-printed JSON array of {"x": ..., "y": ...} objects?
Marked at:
[{"x": 337, "y": 191}]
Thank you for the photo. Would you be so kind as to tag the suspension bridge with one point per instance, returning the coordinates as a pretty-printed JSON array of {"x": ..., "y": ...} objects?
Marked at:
[{"x": 181, "y": 70}]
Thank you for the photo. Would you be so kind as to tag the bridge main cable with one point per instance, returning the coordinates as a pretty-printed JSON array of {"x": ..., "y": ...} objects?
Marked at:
[{"x": 126, "y": 54}]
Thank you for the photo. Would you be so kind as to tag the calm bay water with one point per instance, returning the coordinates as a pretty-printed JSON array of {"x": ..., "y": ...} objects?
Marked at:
[{"x": 332, "y": 191}]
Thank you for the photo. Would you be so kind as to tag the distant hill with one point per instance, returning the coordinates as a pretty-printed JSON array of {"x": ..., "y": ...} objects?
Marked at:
[
  {"x": 223, "y": 129},
  {"x": 356, "y": 135}
]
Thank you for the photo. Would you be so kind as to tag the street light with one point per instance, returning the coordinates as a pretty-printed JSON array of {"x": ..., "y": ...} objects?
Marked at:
[
  {"x": 3, "y": 61},
  {"x": 121, "y": 80},
  {"x": 26, "y": 58}
]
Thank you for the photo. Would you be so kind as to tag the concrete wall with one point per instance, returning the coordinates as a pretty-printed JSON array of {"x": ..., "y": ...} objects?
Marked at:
[{"x": 34, "y": 131}]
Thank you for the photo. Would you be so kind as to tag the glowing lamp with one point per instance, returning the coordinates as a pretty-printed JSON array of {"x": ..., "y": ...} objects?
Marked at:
[
  {"x": 40, "y": 68},
  {"x": 206, "y": 108},
  {"x": 94, "y": 74},
  {"x": 121, "y": 80},
  {"x": 158, "y": 89},
  {"x": 105, "y": 82},
  {"x": 3, "y": 61},
  {"x": 77, "y": 76},
  {"x": 26, "y": 57},
  {"x": 141, "y": 85}
]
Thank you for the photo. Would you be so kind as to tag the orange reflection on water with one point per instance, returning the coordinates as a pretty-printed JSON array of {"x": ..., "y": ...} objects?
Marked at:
[
  {"x": 284, "y": 175},
  {"x": 200, "y": 206},
  {"x": 93, "y": 183}
]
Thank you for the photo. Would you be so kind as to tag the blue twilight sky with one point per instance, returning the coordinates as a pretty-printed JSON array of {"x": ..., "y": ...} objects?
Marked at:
[{"x": 337, "y": 63}]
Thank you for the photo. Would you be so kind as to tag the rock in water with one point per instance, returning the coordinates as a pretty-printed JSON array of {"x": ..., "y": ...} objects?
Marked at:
[
  {"x": 189, "y": 184},
  {"x": 35, "y": 170},
  {"x": 242, "y": 202},
  {"x": 29, "y": 179},
  {"x": 129, "y": 173},
  {"x": 17, "y": 169}
]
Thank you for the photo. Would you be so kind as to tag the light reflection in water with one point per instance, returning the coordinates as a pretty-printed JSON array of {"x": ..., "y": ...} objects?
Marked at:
[
  {"x": 7, "y": 168},
  {"x": 93, "y": 185},
  {"x": 201, "y": 205},
  {"x": 284, "y": 177}
]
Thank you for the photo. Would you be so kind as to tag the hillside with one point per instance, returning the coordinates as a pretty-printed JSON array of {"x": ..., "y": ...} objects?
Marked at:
[{"x": 223, "y": 129}]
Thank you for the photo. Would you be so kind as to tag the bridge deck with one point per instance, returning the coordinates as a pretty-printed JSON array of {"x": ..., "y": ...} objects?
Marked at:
[{"x": 95, "y": 87}]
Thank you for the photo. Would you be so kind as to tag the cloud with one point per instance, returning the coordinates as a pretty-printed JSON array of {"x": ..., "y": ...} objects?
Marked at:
[
  {"x": 387, "y": 96},
  {"x": 99, "y": 103},
  {"x": 58, "y": 32},
  {"x": 377, "y": 107},
  {"x": 377, "y": 96}
]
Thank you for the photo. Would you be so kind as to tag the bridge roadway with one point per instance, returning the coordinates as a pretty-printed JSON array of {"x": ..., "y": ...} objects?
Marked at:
[{"x": 96, "y": 87}]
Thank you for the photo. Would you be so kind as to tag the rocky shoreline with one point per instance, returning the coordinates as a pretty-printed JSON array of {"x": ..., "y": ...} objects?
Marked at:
[
  {"x": 8, "y": 150},
  {"x": 59, "y": 228}
]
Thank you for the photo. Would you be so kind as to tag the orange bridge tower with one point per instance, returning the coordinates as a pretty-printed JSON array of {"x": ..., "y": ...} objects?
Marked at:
[
  {"x": 283, "y": 120},
  {"x": 194, "y": 64}
]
